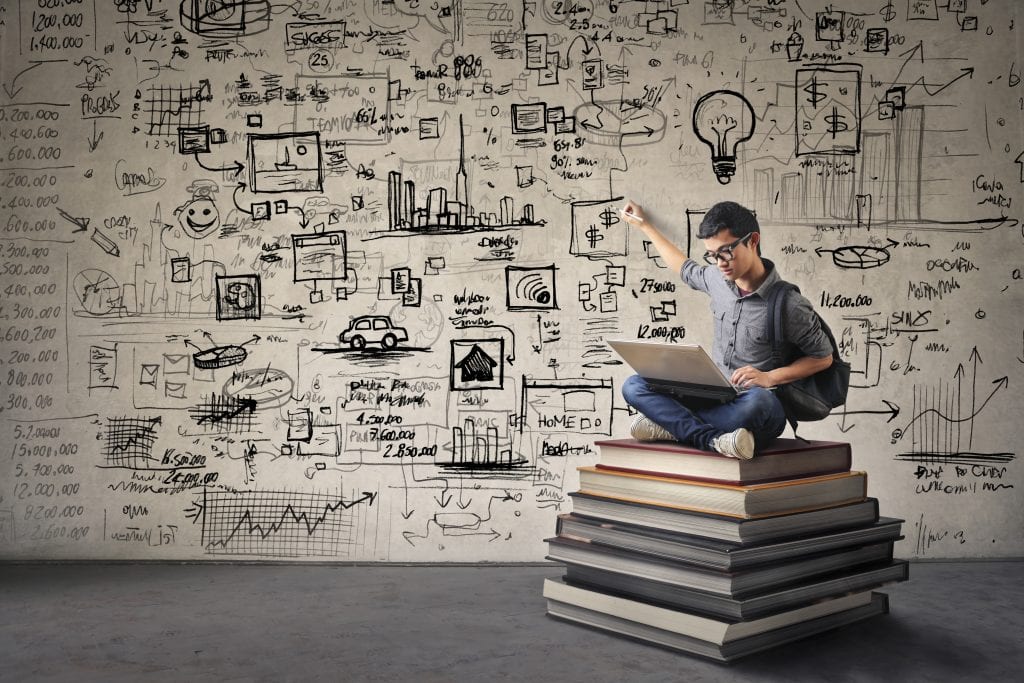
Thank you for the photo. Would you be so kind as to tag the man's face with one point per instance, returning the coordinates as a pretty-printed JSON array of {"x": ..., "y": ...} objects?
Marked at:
[{"x": 743, "y": 253}]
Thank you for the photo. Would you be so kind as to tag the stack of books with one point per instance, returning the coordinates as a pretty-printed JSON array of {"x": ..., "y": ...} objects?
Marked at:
[{"x": 722, "y": 557}]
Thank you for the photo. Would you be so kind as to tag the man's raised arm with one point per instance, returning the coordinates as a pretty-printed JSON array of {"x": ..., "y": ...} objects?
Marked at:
[{"x": 673, "y": 256}]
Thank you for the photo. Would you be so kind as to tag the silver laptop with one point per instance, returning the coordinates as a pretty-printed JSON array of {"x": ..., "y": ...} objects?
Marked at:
[{"x": 686, "y": 369}]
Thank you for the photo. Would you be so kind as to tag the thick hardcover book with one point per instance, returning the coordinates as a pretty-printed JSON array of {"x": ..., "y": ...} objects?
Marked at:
[
  {"x": 717, "y": 554},
  {"x": 747, "y": 501},
  {"x": 784, "y": 459},
  {"x": 724, "y": 527},
  {"x": 703, "y": 627},
  {"x": 751, "y": 606},
  {"x": 732, "y": 583},
  {"x": 726, "y": 652}
]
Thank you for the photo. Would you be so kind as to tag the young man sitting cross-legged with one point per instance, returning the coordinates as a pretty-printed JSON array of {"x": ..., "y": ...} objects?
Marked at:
[{"x": 738, "y": 281}]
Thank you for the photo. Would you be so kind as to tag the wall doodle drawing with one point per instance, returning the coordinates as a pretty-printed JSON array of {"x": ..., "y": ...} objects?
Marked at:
[{"x": 324, "y": 281}]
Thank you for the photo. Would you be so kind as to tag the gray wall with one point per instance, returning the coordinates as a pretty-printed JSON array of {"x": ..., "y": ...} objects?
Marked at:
[{"x": 197, "y": 200}]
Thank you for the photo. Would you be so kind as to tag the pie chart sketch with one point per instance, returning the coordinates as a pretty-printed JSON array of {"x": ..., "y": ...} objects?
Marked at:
[
  {"x": 858, "y": 257},
  {"x": 97, "y": 291}
]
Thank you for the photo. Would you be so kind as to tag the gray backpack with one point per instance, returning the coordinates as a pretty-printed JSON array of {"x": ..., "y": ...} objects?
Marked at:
[{"x": 811, "y": 398}]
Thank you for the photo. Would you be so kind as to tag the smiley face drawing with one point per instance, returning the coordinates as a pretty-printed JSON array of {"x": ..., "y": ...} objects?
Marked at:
[{"x": 199, "y": 217}]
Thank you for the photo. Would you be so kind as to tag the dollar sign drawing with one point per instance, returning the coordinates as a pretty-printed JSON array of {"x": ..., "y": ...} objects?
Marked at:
[
  {"x": 812, "y": 90},
  {"x": 609, "y": 217},
  {"x": 888, "y": 13},
  {"x": 836, "y": 124}
]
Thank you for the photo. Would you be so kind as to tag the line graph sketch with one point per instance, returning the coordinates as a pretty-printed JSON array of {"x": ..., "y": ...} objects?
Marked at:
[
  {"x": 170, "y": 107},
  {"x": 222, "y": 413},
  {"x": 944, "y": 415},
  {"x": 281, "y": 523},
  {"x": 129, "y": 441}
]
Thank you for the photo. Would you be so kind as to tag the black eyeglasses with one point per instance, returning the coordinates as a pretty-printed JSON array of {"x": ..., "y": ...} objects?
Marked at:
[{"x": 726, "y": 252}]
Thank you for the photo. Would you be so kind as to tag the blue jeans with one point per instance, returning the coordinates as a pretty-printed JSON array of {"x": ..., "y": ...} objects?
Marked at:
[{"x": 698, "y": 423}]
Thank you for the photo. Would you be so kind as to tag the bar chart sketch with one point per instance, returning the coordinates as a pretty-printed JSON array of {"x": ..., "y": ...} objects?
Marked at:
[{"x": 481, "y": 447}]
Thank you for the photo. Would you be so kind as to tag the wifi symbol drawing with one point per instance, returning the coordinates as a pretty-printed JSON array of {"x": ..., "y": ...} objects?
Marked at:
[
  {"x": 530, "y": 289},
  {"x": 533, "y": 288}
]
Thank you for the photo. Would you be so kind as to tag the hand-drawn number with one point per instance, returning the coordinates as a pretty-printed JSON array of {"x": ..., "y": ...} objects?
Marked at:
[
  {"x": 321, "y": 61},
  {"x": 499, "y": 12},
  {"x": 468, "y": 66}
]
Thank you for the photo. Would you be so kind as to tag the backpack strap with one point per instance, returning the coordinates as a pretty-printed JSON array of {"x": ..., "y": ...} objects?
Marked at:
[{"x": 776, "y": 300}]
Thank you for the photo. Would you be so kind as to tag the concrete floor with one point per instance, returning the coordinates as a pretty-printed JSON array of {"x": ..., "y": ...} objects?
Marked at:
[{"x": 217, "y": 622}]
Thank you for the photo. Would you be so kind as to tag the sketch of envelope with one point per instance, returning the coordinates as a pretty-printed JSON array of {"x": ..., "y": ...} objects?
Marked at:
[
  {"x": 176, "y": 364},
  {"x": 148, "y": 374},
  {"x": 174, "y": 389}
]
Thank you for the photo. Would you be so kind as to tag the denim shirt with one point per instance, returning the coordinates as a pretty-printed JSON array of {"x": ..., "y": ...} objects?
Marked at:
[{"x": 741, "y": 322}]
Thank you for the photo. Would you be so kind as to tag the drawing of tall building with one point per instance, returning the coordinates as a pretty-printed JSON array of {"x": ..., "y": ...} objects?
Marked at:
[
  {"x": 764, "y": 193},
  {"x": 876, "y": 174},
  {"x": 437, "y": 203},
  {"x": 839, "y": 187},
  {"x": 395, "y": 213},
  {"x": 507, "y": 210},
  {"x": 409, "y": 203},
  {"x": 792, "y": 199},
  {"x": 461, "y": 179},
  {"x": 909, "y": 139},
  {"x": 813, "y": 191}
]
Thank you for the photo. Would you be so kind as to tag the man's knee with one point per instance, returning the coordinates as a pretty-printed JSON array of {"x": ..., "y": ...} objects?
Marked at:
[
  {"x": 761, "y": 403},
  {"x": 633, "y": 385}
]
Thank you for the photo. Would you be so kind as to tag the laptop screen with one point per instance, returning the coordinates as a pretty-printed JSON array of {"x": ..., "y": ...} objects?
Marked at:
[{"x": 670, "y": 363}]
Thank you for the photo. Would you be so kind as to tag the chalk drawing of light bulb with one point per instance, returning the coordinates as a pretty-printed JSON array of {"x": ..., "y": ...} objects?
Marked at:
[{"x": 722, "y": 119}]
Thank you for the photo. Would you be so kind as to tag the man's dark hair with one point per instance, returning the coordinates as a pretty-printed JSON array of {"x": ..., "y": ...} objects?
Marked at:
[{"x": 736, "y": 218}]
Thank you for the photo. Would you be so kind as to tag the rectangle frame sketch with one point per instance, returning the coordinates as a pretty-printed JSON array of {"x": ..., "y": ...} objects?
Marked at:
[
  {"x": 828, "y": 110},
  {"x": 285, "y": 162}
]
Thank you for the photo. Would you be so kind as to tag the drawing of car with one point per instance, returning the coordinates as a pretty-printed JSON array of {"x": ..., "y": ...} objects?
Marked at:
[{"x": 372, "y": 329}]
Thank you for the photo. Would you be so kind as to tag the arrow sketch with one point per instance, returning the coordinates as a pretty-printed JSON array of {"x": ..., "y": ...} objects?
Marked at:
[
  {"x": 81, "y": 224},
  {"x": 13, "y": 91},
  {"x": 94, "y": 139},
  {"x": 891, "y": 409}
]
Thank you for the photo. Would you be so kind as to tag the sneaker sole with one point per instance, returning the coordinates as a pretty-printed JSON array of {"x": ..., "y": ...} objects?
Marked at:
[{"x": 745, "y": 445}]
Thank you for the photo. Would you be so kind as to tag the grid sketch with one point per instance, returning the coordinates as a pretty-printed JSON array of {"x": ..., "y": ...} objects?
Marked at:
[
  {"x": 129, "y": 442},
  {"x": 223, "y": 414},
  {"x": 173, "y": 107},
  {"x": 283, "y": 523}
]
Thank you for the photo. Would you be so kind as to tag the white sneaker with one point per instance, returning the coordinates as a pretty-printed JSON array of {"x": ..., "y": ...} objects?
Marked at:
[
  {"x": 645, "y": 429},
  {"x": 737, "y": 444}
]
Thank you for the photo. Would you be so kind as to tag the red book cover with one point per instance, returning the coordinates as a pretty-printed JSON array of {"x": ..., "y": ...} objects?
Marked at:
[{"x": 784, "y": 459}]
